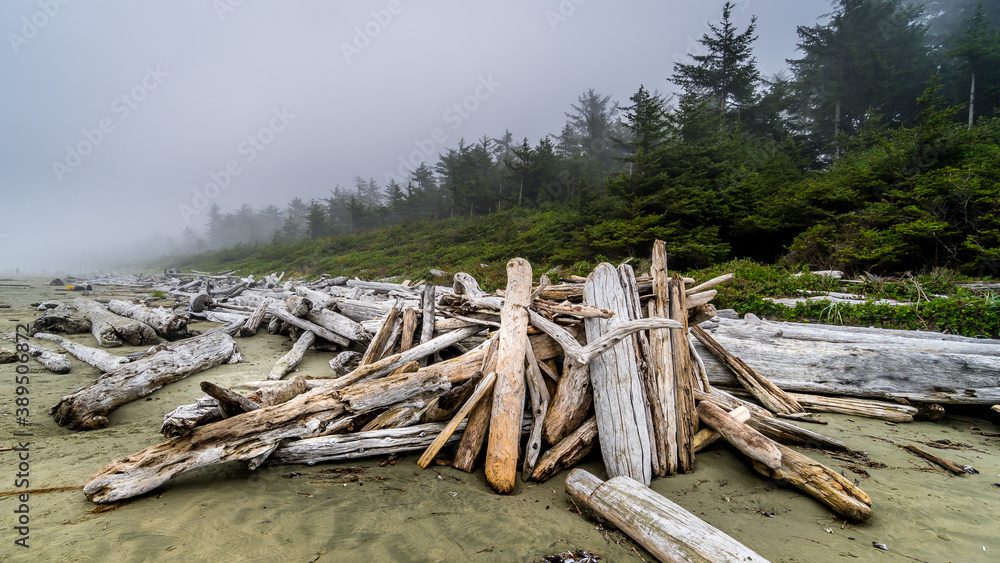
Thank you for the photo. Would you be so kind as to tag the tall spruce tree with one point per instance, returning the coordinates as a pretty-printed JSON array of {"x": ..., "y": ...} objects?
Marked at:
[
  {"x": 728, "y": 71},
  {"x": 978, "y": 48}
]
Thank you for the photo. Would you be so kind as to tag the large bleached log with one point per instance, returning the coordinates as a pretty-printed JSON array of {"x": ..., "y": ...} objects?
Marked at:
[
  {"x": 920, "y": 368},
  {"x": 382, "y": 340},
  {"x": 251, "y": 325},
  {"x": 660, "y": 386},
  {"x": 568, "y": 452},
  {"x": 665, "y": 529},
  {"x": 88, "y": 407},
  {"x": 279, "y": 311},
  {"x": 113, "y": 330},
  {"x": 339, "y": 324},
  {"x": 356, "y": 445},
  {"x": 165, "y": 322},
  {"x": 508, "y": 397},
  {"x": 253, "y": 436},
  {"x": 93, "y": 356},
  {"x": 52, "y": 360},
  {"x": 287, "y": 363},
  {"x": 619, "y": 398}
]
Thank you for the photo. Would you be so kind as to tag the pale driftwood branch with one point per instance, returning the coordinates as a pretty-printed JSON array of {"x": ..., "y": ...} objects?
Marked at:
[
  {"x": 710, "y": 284},
  {"x": 482, "y": 389},
  {"x": 53, "y": 361},
  {"x": 279, "y": 311},
  {"x": 660, "y": 380},
  {"x": 755, "y": 445},
  {"x": 96, "y": 357},
  {"x": 287, "y": 363}
]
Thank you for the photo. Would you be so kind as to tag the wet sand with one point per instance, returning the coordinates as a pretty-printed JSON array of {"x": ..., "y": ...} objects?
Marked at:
[{"x": 335, "y": 512}]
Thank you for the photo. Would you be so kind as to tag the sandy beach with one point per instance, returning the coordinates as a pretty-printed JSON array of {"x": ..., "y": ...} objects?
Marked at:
[{"x": 375, "y": 511}]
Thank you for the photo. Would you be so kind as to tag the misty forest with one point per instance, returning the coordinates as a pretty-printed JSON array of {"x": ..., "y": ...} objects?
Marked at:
[{"x": 876, "y": 151}]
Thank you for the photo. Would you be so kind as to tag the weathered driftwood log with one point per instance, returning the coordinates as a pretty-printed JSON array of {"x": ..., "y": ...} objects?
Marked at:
[
  {"x": 338, "y": 324},
  {"x": 863, "y": 363},
  {"x": 815, "y": 479},
  {"x": 540, "y": 399},
  {"x": 706, "y": 436},
  {"x": 388, "y": 364},
  {"x": 8, "y": 356},
  {"x": 753, "y": 444},
  {"x": 568, "y": 452},
  {"x": 93, "y": 356},
  {"x": 858, "y": 407},
  {"x": 200, "y": 302},
  {"x": 508, "y": 397},
  {"x": 110, "y": 329},
  {"x": 382, "y": 339},
  {"x": 185, "y": 418},
  {"x": 410, "y": 319},
  {"x": 339, "y": 364},
  {"x": 254, "y": 436},
  {"x": 952, "y": 467},
  {"x": 287, "y": 363},
  {"x": 230, "y": 402},
  {"x": 619, "y": 399},
  {"x": 368, "y": 443},
  {"x": 444, "y": 407},
  {"x": 660, "y": 387},
  {"x": 279, "y": 311},
  {"x": 479, "y": 418},
  {"x": 484, "y": 387},
  {"x": 298, "y": 306},
  {"x": 60, "y": 319},
  {"x": 250, "y": 327},
  {"x": 710, "y": 284},
  {"x": 88, "y": 407},
  {"x": 789, "y": 434},
  {"x": 52, "y": 360},
  {"x": 283, "y": 392},
  {"x": 164, "y": 321},
  {"x": 665, "y": 529},
  {"x": 393, "y": 417},
  {"x": 683, "y": 369},
  {"x": 766, "y": 392}
]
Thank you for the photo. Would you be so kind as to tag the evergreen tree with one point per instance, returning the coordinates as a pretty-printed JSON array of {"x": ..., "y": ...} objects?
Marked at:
[
  {"x": 979, "y": 50},
  {"x": 592, "y": 128},
  {"x": 646, "y": 123},
  {"x": 728, "y": 71}
]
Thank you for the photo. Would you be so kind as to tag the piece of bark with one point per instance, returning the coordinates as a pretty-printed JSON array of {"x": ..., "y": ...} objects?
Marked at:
[
  {"x": 660, "y": 378},
  {"x": 483, "y": 388},
  {"x": 665, "y": 529},
  {"x": 164, "y": 321},
  {"x": 619, "y": 399},
  {"x": 250, "y": 327},
  {"x": 822, "y": 483},
  {"x": 110, "y": 329},
  {"x": 508, "y": 397},
  {"x": 230, "y": 403},
  {"x": 568, "y": 452},
  {"x": 8, "y": 356},
  {"x": 753, "y": 444},
  {"x": 682, "y": 368},
  {"x": 88, "y": 407},
  {"x": 253, "y": 436},
  {"x": 766, "y": 392},
  {"x": 96, "y": 357},
  {"x": 952, "y": 467},
  {"x": 287, "y": 363}
]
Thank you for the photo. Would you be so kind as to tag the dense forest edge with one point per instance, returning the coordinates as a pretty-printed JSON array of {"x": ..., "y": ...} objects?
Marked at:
[{"x": 878, "y": 155}]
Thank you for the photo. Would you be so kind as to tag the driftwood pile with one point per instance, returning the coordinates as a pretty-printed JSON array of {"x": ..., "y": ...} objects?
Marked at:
[{"x": 530, "y": 379}]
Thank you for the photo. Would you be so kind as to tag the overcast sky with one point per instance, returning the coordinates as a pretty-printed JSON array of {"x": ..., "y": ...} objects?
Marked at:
[{"x": 123, "y": 121}]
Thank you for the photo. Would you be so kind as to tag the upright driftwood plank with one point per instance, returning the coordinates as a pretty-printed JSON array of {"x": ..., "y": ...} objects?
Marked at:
[
  {"x": 479, "y": 419},
  {"x": 660, "y": 380},
  {"x": 619, "y": 400},
  {"x": 684, "y": 378},
  {"x": 508, "y": 396},
  {"x": 668, "y": 531},
  {"x": 410, "y": 319}
]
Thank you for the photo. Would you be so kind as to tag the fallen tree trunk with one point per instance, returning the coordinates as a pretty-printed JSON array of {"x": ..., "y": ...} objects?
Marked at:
[
  {"x": 744, "y": 438},
  {"x": 254, "y": 436},
  {"x": 52, "y": 360},
  {"x": 166, "y": 324},
  {"x": 920, "y": 368},
  {"x": 88, "y": 407},
  {"x": 61, "y": 319},
  {"x": 287, "y": 363},
  {"x": 93, "y": 356},
  {"x": 356, "y": 445},
  {"x": 110, "y": 329},
  {"x": 665, "y": 529}
]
